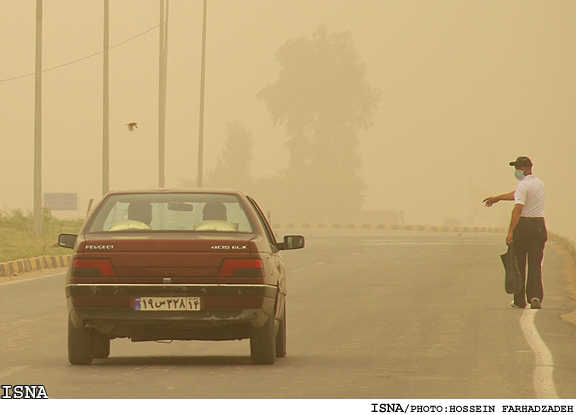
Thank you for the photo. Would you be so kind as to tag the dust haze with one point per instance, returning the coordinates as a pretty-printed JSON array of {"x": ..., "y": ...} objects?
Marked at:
[{"x": 465, "y": 87}]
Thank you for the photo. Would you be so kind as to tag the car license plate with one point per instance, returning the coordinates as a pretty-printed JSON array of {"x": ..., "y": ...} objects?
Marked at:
[{"x": 167, "y": 304}]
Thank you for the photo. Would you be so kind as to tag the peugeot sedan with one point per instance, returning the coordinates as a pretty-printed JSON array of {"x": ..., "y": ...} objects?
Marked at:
[{"x": 173, "y": 264}]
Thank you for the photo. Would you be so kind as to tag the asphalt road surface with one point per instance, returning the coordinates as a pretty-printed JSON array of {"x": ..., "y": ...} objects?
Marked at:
[{"x": 371, "y": 314}]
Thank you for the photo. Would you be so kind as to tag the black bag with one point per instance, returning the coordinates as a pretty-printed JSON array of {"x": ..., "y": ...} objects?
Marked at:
[{"x": 513, "y": 283}]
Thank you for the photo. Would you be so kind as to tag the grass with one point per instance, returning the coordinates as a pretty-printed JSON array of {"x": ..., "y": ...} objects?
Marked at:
[{"x": 18, "y": 240}]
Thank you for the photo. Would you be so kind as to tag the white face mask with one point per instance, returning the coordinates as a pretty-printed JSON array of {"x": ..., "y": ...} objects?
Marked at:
[{"x": 519, "y": 174}]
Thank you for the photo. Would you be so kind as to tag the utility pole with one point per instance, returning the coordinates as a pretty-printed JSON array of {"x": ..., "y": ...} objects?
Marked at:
[
  {"x": 106, "y": 102},
  {"x": 38, "y": 124},
  {"x": 201, "y": 121},
  {"x": 162, "y": 84}
]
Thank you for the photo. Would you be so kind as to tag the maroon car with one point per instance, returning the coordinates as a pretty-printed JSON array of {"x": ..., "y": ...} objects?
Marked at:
[{"x": 173, "y": 264}]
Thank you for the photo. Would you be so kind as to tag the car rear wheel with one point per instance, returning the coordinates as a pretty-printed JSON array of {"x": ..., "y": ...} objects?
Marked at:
[
  {"x": 101, "y": 346},
  {"x": 263, "y": 344},
  {"x": 281, "y": 336},
  {"x": 80, "y": 343}
]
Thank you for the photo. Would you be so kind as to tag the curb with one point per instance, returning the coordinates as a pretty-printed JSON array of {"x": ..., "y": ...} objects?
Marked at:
[
  {"x": 18, "y": 266},
  {"x": 564, "y": 243}
]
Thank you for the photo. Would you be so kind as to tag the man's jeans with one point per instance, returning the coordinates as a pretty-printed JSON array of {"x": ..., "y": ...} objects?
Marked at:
[{"x": 530, "y": 237}]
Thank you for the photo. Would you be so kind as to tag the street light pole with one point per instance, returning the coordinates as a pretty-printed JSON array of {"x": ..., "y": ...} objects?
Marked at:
[
  {"x": 106, "y": 102},
  {"x": 162, "y": 84},
  {"x": 38, "y": 125},
  {"x": 201, "y": 121}
]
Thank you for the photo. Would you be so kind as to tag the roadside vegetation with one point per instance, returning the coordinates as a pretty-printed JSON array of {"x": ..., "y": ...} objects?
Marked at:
[{"x": 18, "y": 240}]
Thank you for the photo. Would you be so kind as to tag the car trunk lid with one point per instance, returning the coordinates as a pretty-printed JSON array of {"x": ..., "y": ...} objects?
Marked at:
[{"x": 167, "y": 255}]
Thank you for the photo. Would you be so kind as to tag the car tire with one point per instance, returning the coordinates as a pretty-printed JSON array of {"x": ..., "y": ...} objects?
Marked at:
[
  {"x": 281, "y": 336},
  {"x": 80, "y": 345},
  {"x": 263, "y": 344},
  {"x": 101, "y": 346}
]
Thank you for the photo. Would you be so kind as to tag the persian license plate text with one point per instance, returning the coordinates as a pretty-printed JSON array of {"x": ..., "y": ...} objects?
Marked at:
[{"x": 167, "y": 303}]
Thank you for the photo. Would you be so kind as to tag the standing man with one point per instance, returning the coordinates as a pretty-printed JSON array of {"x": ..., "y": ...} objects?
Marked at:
[{"x": 527, "y": 230}]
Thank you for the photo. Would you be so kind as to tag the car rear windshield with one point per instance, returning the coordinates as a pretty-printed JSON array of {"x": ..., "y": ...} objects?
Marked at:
[{"x": 171, "y": 212}]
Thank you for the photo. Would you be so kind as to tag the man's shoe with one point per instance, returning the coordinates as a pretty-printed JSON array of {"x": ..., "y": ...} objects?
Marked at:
[
  {"x": 535, "y": 303},
  {"x": 515, "y": 306}
]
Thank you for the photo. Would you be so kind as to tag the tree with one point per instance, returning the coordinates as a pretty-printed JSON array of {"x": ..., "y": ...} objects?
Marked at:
[
  {"x": 322, "y": 100},
  {"x": 233, "y": 168}
]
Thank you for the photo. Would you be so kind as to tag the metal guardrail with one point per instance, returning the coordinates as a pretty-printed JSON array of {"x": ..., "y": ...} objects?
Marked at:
[
  {"x": 426, "y": 228},
  {"x": 565, "y": 243}
]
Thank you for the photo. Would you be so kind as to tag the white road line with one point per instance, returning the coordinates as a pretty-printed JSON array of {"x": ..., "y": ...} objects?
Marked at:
[
  {"x": 11, "y": 371},
  {"x": 31, "y": 278},
  {"x": 543, "y": 372}
]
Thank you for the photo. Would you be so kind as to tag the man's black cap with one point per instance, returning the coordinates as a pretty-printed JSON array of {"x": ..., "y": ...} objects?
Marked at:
[{"x": 522, "y": 161}]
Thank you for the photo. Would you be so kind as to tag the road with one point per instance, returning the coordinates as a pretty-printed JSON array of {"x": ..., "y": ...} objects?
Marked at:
[{"x": 371, "y": 314}]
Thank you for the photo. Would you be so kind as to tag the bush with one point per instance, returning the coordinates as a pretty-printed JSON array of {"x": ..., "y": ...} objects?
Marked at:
[{"x": 18, "y": 240}]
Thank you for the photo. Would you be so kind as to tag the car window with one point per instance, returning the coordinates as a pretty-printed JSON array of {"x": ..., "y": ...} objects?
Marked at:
[
  {"x": 171, "y": 212},
  {"x": 269, "y": 233}
]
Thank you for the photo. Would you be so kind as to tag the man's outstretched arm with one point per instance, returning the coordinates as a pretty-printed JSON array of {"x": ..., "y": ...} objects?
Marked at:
[{"x": 489, "y": 201}]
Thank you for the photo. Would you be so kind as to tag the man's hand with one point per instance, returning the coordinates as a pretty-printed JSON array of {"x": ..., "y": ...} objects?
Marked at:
[
  {"x": 510, "y": 238},
  {"x": 489, "y": 201}
]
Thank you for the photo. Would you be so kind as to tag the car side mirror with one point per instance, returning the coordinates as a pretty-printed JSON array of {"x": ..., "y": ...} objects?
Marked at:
[
  {"x": 67, "y": 240},
  {"x": 293, "y": 242}
]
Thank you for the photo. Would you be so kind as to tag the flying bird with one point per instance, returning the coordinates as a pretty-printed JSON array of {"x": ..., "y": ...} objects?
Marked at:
[{"x": 132, "y": 125}]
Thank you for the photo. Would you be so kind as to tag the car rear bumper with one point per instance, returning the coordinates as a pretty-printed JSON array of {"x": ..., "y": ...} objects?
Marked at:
[{"x": 227, "y": 311}]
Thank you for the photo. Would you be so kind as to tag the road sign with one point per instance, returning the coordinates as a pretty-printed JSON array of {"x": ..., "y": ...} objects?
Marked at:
[{"x": 61, "y": 201}]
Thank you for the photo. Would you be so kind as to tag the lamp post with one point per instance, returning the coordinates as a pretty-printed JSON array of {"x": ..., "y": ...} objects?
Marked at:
[
  {"x": 162, "y": 83},
  {"x": 106, "y": 103},
  {"x": 201, "y": 121},
  {"x": 37, "y": 222}
]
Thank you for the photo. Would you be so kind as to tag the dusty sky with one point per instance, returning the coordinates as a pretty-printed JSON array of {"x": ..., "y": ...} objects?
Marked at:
[{"x": 466, "y": 87}]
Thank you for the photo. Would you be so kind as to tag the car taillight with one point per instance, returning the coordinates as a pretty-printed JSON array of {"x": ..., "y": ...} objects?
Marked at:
[
  {"x": 93, "y": 268},
  {"x": 241, "y": 268}
]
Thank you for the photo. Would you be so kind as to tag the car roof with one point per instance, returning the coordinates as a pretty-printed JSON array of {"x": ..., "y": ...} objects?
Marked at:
[{"x": 195, "y": 190}]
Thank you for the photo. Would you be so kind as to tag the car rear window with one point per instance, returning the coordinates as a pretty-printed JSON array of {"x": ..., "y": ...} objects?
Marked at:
[{"x": 171, "y": 212}]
